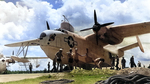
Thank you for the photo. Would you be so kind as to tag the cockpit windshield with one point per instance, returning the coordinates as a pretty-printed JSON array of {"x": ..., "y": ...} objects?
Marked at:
[{"x": 62, "y": 30}]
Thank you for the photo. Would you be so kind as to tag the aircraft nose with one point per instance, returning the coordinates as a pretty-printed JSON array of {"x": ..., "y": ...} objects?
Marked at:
[{"x": 42, "y": 35}]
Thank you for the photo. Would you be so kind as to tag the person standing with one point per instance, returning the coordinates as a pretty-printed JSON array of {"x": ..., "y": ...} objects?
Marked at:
[
  {"x": 112, "y": 62},
  {"x": 88, "y": 59},
  {"x": 117, "y": 63},
  {"x": 54, "y": 65},
  {"x": 148, "y": 66},
  {"x": 30, "y": 67},
  {"x": 48, "y": 65},
  {"x": 70, "y": 59},
  {"x": 59, "y": 61},
  {"x": 132, "y": 63},
  {"x": 139, "y": 64},
  {"x": 123, "y": 62},
  {"x": 76, "y": 58}
]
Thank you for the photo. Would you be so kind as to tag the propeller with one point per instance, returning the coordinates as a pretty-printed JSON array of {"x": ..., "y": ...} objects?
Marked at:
[
  {"x": 47, "y": 25},
  {"x": 96, "y": 27}
]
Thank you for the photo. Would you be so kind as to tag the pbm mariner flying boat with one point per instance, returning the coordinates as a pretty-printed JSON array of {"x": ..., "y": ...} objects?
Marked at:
[{"x": 99, "y": 44}]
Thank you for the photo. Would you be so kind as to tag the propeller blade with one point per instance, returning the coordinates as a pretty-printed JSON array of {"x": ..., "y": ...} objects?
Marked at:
[
  {"x": 106, "y": 24},
  {"x": 97, "y": 38},
  {"x": 86, "y": 29},
  {"x": 47, "y": 25},
  {"x": 95, "y": 17},
  {"x": 96, "y": 27}
]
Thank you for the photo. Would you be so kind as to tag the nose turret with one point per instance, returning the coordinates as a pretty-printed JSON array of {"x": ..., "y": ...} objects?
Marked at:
[
  {"x": 3, "y": 60},
  {"x": 42, "y": 35}
]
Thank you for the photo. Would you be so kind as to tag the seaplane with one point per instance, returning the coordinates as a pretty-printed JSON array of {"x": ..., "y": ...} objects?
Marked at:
[{"x": 99, "y": 44}]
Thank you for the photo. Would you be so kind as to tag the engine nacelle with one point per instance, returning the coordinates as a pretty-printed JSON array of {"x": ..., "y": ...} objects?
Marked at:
[{"x": 109, "y": 36}]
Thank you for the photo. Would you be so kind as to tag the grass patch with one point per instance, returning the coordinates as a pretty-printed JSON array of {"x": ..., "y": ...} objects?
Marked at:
[{"x": 80, "y": 76}]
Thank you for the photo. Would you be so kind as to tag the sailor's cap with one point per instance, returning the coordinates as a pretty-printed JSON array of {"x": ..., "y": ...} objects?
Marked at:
[{"x": 76, "y": 48}]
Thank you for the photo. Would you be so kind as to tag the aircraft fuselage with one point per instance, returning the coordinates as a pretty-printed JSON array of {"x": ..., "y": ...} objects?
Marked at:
[{"x": 67, "y": 40}]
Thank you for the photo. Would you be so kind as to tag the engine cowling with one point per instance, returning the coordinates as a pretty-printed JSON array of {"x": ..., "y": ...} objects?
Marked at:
[{"x": 109, "y": 36}]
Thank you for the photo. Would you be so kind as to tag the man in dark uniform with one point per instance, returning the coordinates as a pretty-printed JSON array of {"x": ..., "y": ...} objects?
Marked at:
[
  {"x": 112, "y": 60},
  {"x": 139, "y": 64},
  {"x": 48, "y": 66},
  {"x": 70, "y": 59},
  {"x": 30, "y": 67},
  {"x": 132, "y": 62},
  {"x": 148, "y": 66},
  {"x": 59, "y": 61},
  {"x": 123, "y": 62},
  {"x": 117, "y": 63}
]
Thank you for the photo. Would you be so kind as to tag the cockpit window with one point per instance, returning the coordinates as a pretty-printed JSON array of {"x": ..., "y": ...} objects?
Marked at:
[
  {"x": 42, "y": 35},
  {"x": 62, "y": 30}
]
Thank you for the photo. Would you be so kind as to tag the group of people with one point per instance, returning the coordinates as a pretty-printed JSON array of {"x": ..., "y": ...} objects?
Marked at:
[
  {"x": 70, "y": 57},
  {"x": 75, "y": 59},
  {"x": 123, "y": 62}
]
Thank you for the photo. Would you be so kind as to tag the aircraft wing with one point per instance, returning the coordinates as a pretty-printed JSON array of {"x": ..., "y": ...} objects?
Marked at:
[
  {"x": 120, "y": 51},
  {"x": 131, "y": 29},
  {"x": 24, "y": 60},
  {"x": 36, "y": 58},
  {"x": 19, "y": 59},
  {"x": 34, "y": 42}
]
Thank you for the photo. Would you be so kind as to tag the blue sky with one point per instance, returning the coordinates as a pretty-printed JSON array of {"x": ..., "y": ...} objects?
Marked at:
[
  {"x": 56, "y": 3},
  {"x": 25, "y": 19}
]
